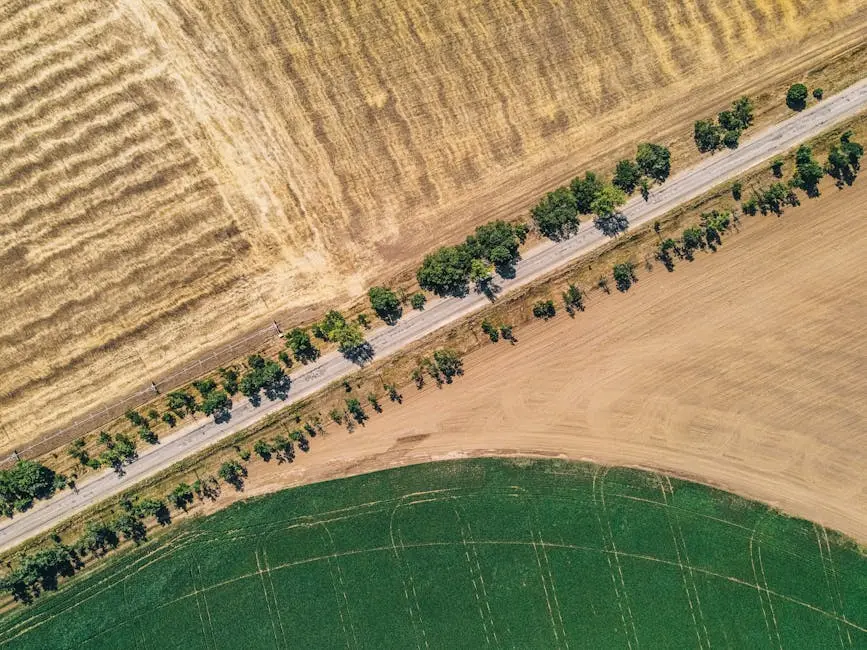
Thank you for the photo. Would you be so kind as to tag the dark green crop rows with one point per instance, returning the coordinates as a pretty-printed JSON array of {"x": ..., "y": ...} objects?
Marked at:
[{"x": 471, "y": 554}]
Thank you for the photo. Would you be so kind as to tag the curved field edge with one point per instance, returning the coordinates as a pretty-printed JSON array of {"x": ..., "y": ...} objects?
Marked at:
[{"x": 530, "y": 553}]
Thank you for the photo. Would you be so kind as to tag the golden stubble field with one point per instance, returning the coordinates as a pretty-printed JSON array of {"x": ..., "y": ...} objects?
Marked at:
[
  {"x": 175, "y": 172},
  {"x": 744, "y": 369}
]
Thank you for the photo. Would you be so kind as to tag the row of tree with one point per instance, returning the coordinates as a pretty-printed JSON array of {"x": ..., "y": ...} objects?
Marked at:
[{"x": 710, "y": 135}]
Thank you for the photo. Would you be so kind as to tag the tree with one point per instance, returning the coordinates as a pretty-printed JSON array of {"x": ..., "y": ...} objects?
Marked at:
[
  {"x": 363, "y": 320},
  {"x": 796, "y": 97},
  {"x": 217, "y": 403},
  {"x": 707, "y": 136},
  {"x": 285, "y": 359},
  {"x": 742, "y": 108},
  {"x": 777, "y": 167},
  {"x": 263, "y": 374},
  {"x": 608, "y": 219},
  {"x": 233, "y": 473},
  {"x": 298, "y": 340},
  {"x": 556, "y": 215},
  {"x": 624, "y": 275},
  {"x": 729, "y": 121},
  {"x": 417, "y": 300},
  {"x": 25, "y": 482},
  {"x": 506, "y": 332},
  {"x": 181, "y": 496},
  {"x": 573, "y": 299},
  {"x": 654, "y": 160},
  {"x": 385, "y": 303},
  {"x": 148, "y": 436},
  {"x": 336, "y": 416},
  {"x": 627, "y": 174},
  {"x": 666, "y": 248},
  {"x": 818, "y": 93},
  {"x": 135, "y": 418},
  {"x": 497, "y": 242},
  {"x": 844, "y": 160},
  {"x": 544, "y": 309},
  {"x": 353, "y": 406},
  {"x": 180, "y": 401},
  {"x": 737, "y": 189},
  {"x": 692, "y": 238},
  {"x": 448, "y": 362},
  {"x": 644, "y": 188},
  {"x": 481, "y": 274},
  {"x": 445, "y": 271},
  {"x": 130, "y": 526},
  {"x": 263, "y": 450},
  {"x": 731, "y": 139},
  {"x": 489, "y": 329},
  {"x": 585, "y": 191},
  {"x": 373, "y": 400},
  {"x": 230, "y": 380},
  {"x": 393, "y": 393},
  {"x": 204, "y": 386},
  {"x": 808, "y": 172},
  {"x": 154, "y": 508}
]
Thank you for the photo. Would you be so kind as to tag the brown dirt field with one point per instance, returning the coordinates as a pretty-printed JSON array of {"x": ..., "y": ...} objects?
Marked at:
[
  {"x": 175, "y": 173},
  {"x": 743, "y": 369}
]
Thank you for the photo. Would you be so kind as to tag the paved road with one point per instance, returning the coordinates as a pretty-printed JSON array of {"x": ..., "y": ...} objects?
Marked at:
[{"x": 536, "y": 262}]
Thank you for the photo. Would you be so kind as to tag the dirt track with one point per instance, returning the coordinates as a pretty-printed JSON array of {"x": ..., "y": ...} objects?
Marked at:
[{"x": 744, "y": 369}]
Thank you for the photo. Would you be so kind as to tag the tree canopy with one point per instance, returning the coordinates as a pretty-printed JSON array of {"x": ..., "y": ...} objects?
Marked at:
[
  {"x": 796, "y": 97},
  {"x": 808, "y": 172},
  {"x": 446, "y": 270},
  {"x": 654, "y": 161},
  {"x": 626, "y": 176},
  {"x": 556, "y": 215},
  {"x": 385, "y": 303},
  {"x": 585, "y": 190}
]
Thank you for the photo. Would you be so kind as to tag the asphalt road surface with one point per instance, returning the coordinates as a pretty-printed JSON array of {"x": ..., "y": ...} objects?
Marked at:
[{"x": 537, "y": 262}]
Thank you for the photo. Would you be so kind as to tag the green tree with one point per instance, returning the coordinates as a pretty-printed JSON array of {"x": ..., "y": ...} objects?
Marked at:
[
  {"x": 393, "y": 394},
  {"x": 729, "y": 121},
  {"x": 181, "y": 401},
  {"x": 385, "y": 303},
  {"x": 731, "y": 139},
  {"x": 707, "y": 136},
  {"x": 627, "y": 174},
  {"x": 654, "y": 160},
  {"x": 573, "y": 298},
  {"x": 608, "y": 218},
  {"x": 181, "y": 496},
  {"x": 148, "y": 436},
  {"x": 233, "y": 473},
  {"x": 353, "y": 406},
  {"x": 373, "y": 400},
  {"x": 204, "y": 386},
  {"x": 808, "y": 172},
  {"x": 666, "y": 248},
  {"x": 496, "y": 241},
  {"x": 230, "y": 380},
  {"x": 556, "y": 215},
  {"x": 818, "y": 93},
  {"x": 445, "y": 271},
  {"x": 448, "y": 362},
  {"x": 285, "y": 359},
  {"x": 135, "y": 418},
  {"x": 217, "y": 403},
  {"x": 417, "y": 300},
  {"x": 263, "y": 450},
  {"x": 624, "y": 275},
  {"x": 585, "y": 190},
  {"x": 544, "y": 309},
  {"x": 481, "y": 273},
  {"x": 298, "y": 340},
  {"x": 742, "y": 108},
  {"x": 489, "y": 329},
  {"x": 737, "y": 189},
  {"x": 796, "y": 97},
  {"x": 506, "y": 332},
  {"x": 777, "y": 167},
  {"x": 692, "y": 239}
]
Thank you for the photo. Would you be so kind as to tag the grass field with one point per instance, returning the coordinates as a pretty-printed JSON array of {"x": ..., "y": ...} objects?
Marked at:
[
  {"x": 472, "y": 554},
  {"x": 173, "y": 173}
]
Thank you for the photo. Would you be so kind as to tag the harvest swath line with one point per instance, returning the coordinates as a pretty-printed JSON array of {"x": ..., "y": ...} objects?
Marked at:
[{"x": 385, "y": 341}]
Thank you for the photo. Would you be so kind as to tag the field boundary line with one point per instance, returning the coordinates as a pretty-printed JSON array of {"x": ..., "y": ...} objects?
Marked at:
[
  {"x": 673, "y": 515},
  {"x": 198, "y": 606},
  {"x": 336, "y": 557},
  {"x": 274, "y": 596},
  {"x": 205, "y": 600},
  {"x": 551, "y": 580}
]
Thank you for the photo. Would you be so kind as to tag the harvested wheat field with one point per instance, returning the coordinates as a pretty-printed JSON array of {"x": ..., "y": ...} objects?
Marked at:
[
  {"x": 175, "y": 173},
  {"x": 743, "y": 369}
]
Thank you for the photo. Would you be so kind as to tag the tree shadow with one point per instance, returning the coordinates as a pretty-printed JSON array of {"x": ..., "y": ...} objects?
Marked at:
[
  {"x": 360, "y": 354},
  {"x": 612, "y": 225}
]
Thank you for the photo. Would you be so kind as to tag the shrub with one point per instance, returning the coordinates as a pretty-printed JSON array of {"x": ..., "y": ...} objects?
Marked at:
[
  {"x": 692, "y": 238},
  {"x": 374, "y": 402},
  {"x": 808, "y": 172},
  {"x": 302, "y": 347},
  {"x": 737, "y": 189},
  {"x": 180, "y": 401},
  {"x": 544, "y": 309},
  {"x": 624, "y": 275},
  {"x": 796, "y": 97},
  {"x": 506, "y": 332},
  {"x": 230, "y": 380},
  {"x": 448, "y": 362},
  {"x": 148, "y": 436},
  {"x": 818, "y": 93},
  {"x": 233, "y": 473},
  {"x": 417, "y": 300},
  {"x": 263, "y": 450},
  {"x": 750, "y": 206},
  {"x": 573, "y": 299},
  {"x": 489, "y": 329},
  {"x": 135, "y": 418},
  {"x": 353, "y": 406},
  {"x": 181, "y": 496},
  {"x": 777, "y": 167},
  {"x": 285, "y": 359},
  {"x": 731, "y": 139}
]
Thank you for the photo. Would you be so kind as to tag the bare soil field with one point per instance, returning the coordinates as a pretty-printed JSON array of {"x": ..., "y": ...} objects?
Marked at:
[
  {"x": 173, "y": 174},
  {"x": 743, "y": 369}
]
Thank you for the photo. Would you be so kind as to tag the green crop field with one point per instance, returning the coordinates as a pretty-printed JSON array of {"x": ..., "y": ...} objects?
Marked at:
[{"x": 471, "y": 554}]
